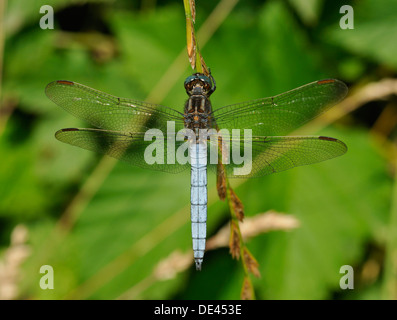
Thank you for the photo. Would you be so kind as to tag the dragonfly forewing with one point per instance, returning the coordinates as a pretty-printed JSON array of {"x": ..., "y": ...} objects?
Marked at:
[
  {"x": 105, "y": 111},
  {"x": 281, "y": 114}
]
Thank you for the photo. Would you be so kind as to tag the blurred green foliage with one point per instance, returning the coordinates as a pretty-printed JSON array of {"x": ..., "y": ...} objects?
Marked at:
[{"x": 135, "y": 218}]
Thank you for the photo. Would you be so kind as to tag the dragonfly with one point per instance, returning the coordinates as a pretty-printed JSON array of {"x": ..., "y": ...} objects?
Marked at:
[{"x": 124, "y": 126}]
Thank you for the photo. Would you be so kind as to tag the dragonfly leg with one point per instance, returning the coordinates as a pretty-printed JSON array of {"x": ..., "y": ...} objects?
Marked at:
[{"x": 213, "y": 83}]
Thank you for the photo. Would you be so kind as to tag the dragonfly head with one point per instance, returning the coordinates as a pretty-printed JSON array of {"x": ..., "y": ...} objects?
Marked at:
[{"x": 198, "y": 84}]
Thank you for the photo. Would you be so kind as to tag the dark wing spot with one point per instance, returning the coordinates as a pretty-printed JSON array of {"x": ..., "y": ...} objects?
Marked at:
[
  {"x": 69, "y": 83},
  {"x": 325, "y": 81},
  {"x": 327, "y": 138},
  {"x": 69, "y": 129}
]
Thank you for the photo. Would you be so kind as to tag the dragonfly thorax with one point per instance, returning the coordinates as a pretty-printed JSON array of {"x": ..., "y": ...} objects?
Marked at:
[
  {"x": 195, "y": 121},
  {"x": 198, "y": 112}
]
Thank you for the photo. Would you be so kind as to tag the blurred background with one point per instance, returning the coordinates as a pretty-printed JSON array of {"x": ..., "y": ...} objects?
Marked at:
[{"x": 112, "y": 231}]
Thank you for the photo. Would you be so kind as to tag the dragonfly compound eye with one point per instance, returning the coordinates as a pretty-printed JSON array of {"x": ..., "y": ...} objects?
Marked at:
[
  {"x": 189, "y": 82},
  {"x": 198, "y": 79}
]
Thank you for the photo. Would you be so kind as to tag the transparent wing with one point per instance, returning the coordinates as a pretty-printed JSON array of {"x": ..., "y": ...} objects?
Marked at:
[
  {"x": 128, "y": 147},
  {"x": 109, "y": 112},
  {"x": 283, "y": 113},
  {"x": 275, "y": 154}
]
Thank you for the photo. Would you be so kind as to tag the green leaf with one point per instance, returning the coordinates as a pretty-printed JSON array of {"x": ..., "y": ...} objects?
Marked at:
[
  {"x": 374, "y": 33},
  {"x": 308, "y": 10}
]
